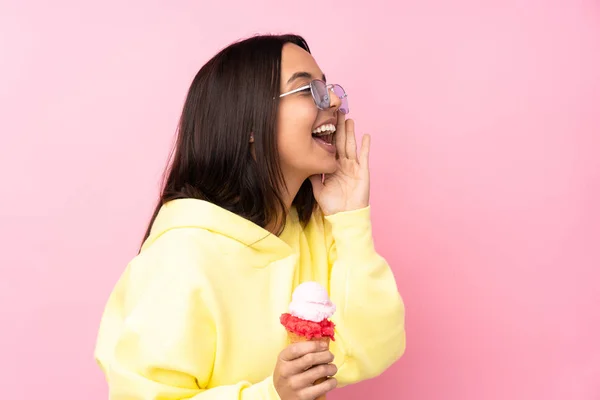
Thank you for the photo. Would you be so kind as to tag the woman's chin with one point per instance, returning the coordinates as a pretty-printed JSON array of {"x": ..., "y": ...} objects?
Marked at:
[
  {"x": 324, "y": 166},
  {"x": 329, "y": 167}
]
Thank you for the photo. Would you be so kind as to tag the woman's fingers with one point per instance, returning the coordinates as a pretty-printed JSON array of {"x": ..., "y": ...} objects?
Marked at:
[
  {"x": 312, "y": 359},
  {"x": 365, "y": 148},
  {"x": 298, "y": 350},
  {"x": 340, "y": 136},
  {"x": 350, "y": 140},
  {"x": 313, "y": 392},
  {"x": 300, "y": 356},
  {"x": 315, "y": 373}
]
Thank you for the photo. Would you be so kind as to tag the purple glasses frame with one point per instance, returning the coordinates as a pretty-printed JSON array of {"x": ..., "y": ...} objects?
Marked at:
[{"x": 320, "y": 94}]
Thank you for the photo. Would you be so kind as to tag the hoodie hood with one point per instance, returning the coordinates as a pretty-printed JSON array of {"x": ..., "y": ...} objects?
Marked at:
[{"x": 194, "y": 213}]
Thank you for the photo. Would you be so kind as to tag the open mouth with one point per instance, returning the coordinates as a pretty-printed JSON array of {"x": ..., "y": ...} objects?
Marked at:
[{"x": 324, "y": 133}]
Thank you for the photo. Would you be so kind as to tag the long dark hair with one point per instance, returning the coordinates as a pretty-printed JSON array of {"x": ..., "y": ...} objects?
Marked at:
[{"x": 235, "y": 94}]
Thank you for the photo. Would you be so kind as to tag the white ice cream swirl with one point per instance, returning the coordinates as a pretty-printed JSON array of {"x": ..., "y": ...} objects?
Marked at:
[{"x": 311, "y": 302}]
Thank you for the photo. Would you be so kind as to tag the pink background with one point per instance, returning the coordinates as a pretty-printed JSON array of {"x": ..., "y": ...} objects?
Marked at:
[{"x": 485, "y": 118}]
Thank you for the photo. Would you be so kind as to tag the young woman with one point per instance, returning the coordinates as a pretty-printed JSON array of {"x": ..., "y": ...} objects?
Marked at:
[{"x": 265, "y": 190}]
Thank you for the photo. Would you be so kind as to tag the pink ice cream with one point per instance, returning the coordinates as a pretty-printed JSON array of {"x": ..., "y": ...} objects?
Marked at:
[{"x": 311, "y": 302}]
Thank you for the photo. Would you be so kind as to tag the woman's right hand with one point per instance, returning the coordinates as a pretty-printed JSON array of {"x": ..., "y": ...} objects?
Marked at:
[{"x": 298, "y": 366}]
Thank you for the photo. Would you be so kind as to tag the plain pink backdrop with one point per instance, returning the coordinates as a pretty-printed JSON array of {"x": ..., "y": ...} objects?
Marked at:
[{"x": 485, "y": 118}]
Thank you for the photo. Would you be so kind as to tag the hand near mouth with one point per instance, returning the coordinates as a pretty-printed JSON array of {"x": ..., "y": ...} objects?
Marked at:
[{"x": 347, "y": 188}]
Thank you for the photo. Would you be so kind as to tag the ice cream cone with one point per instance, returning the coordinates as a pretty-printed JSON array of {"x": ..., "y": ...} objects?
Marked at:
[
  {"x": 294, "y": 338},
  {"x": 308, "y": 319}
]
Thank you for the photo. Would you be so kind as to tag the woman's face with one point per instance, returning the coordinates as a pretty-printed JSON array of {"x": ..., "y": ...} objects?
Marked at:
[{"x": 301, "y": 154}]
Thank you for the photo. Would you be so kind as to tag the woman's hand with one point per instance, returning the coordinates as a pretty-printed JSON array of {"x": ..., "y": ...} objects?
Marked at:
[
  {"x": 299, "y": 365},
  {"x": 347, "y": 188}
]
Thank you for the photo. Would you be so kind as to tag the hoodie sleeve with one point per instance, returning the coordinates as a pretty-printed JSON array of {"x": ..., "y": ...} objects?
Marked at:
[
  {"x": 369, "y": 319},
  {"x": 158, "y": 341}
]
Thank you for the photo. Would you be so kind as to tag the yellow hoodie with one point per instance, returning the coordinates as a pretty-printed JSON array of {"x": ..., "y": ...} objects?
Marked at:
[{"x": 196, "y": 313}]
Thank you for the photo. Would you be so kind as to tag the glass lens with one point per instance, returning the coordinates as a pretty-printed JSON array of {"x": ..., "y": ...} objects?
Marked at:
[
  {"x": 320, "y": 94},
  {"x": 341, "y": 93}
]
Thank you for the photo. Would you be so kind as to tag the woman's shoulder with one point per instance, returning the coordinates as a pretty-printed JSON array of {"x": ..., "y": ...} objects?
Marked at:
[
  {"x": 183, "y": 241},
  {"x": 184, "y": 251}
]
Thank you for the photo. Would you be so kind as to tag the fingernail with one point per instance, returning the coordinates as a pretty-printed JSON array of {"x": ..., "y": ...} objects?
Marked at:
[{"x": 323, "y": 345}]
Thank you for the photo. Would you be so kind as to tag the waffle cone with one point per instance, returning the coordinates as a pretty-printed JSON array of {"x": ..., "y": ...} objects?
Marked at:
[{"x": 294, "y": 338}]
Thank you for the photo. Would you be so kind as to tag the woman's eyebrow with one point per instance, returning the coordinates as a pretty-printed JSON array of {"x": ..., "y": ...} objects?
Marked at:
[{"x": 303, "y": 74}]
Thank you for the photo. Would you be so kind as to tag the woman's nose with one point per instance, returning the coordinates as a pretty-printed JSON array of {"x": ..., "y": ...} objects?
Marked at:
[{"x": 334, "y": 101}]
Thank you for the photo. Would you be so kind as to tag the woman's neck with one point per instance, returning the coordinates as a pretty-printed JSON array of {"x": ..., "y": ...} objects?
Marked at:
[{"x": 289, "y": 192}]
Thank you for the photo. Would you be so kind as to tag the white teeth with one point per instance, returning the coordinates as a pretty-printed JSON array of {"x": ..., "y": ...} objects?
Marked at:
[{"x": 326, "y": 129}]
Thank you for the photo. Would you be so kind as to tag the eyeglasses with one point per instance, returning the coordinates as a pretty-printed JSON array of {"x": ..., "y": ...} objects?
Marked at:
[{"x": 320, "y": 93}]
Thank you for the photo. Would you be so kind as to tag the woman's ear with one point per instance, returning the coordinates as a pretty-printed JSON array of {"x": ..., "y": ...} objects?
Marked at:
[{"x": 251, "y": 137}]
